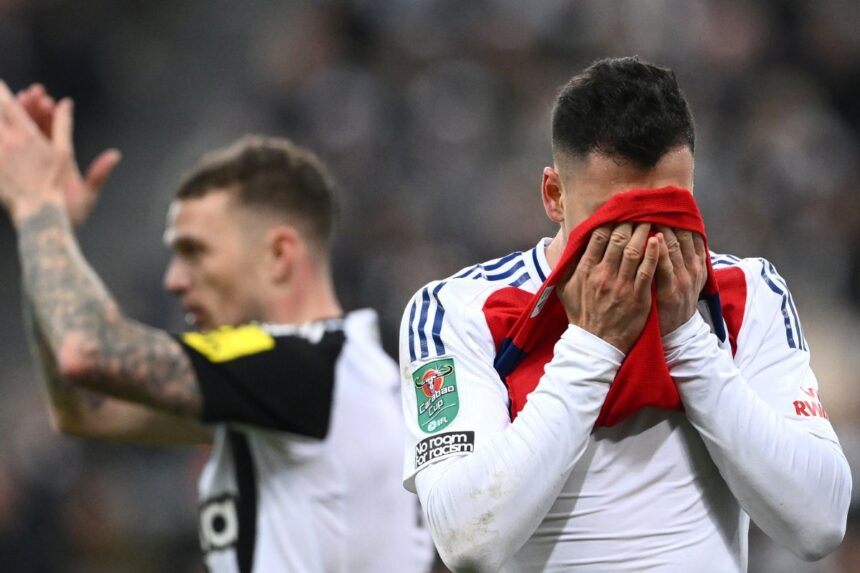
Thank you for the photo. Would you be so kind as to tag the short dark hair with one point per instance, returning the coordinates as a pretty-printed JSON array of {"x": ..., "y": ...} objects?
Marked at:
[
  {"x": 273, "y": 174},
  {"x": 622, "y": 107}
]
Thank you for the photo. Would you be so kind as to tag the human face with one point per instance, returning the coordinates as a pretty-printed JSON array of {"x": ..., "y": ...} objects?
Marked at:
[
  {"x": 213, "y": 270},
  {"x": 575, "y": 188}
]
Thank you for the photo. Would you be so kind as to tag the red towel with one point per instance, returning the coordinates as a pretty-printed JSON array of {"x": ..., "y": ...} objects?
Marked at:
[{"x": 539, "y": 320}]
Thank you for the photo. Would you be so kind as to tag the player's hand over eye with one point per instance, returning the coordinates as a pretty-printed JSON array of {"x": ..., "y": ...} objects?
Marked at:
[
  {"x": 609, "y": 292},
  {"x": 81, "y": 192},
  {"x": 681, "y": 273}
]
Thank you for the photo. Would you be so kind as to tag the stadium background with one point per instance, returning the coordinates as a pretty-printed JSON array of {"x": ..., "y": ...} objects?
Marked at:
[{"x": 434, "y": 116}]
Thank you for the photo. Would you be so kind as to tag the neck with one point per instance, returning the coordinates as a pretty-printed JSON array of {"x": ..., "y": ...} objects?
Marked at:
[
  {"x": 309, "y": 297},
  {"x": 555, "y": 249}
]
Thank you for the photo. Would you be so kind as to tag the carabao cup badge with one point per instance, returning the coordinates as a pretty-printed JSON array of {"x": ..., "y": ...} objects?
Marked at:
[{"x": 436, "y": 394}]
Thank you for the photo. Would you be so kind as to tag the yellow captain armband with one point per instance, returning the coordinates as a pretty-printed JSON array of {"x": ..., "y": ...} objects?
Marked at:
[{"x": 228, "y": 343}]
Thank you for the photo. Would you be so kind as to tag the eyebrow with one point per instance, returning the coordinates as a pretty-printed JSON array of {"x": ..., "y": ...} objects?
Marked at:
[{"x": 178, "y": 243}]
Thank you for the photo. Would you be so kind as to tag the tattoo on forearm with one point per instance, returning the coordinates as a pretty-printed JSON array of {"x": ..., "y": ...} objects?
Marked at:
[
  {"x": 123, "y": 358},
  {"x": 63, "y": 396}
]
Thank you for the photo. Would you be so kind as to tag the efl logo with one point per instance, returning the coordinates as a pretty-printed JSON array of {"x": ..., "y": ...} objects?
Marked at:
[{"x": 435, "y": 447}]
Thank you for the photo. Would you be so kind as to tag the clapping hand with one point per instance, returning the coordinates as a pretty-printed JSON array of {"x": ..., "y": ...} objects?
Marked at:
[{"x": 80, "y": 191}]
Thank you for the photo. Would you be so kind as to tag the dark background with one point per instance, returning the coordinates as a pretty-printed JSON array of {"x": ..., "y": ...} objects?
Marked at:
[{"x": 434, "y": 116}]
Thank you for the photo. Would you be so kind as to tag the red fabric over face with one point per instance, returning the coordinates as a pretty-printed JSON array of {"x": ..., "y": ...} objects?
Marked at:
[{"x": 526, "y": 327}]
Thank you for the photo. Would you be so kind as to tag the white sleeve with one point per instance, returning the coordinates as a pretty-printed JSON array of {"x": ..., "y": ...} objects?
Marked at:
[
  {"x": 449, "y": 389},
  {"x": 784, "y": 466},
  {"x": 485, "y": 483}
]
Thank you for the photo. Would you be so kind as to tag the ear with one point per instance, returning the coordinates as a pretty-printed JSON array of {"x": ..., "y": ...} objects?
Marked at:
[
  {"x": 552, "y": 195},
  {"x": 284, "y": 246}
]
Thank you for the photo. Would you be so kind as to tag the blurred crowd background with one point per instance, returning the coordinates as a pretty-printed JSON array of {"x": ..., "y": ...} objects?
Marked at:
[{"x": 434, "y": 117}]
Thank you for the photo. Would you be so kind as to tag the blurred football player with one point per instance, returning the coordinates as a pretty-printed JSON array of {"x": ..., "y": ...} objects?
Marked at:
[{"x": 279, "y": 378}]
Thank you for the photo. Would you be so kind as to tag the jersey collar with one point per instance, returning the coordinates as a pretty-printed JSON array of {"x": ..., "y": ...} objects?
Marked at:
[{"x": 536, "y": 259}]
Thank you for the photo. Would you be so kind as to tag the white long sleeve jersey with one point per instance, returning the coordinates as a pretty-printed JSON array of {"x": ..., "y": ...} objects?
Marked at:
[{"x": 662, "y": 491}]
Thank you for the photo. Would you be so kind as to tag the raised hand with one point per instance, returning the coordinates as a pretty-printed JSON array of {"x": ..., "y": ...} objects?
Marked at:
[
  {"x": 609, "y": 292},
  {"x": 681, "y": 274},
  {"x": 32, "y": 166},
  {"x": 80, "y": 192}
]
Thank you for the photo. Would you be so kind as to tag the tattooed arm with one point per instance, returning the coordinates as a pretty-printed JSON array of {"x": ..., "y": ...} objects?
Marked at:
[
  {"x": 79, "y": 412},
  {"x": 92, "y": 344}
]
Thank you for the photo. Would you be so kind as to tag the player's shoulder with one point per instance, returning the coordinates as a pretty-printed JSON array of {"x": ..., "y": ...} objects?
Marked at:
[
  {"x": 758, "y": 271},
  {"x": 312, "y": 331},
  {"x": 452, "y": 308},
  {"x": 265, "y": 341},
  {"x": 470, "y": 285},
  {"x": 756, "y": 282},
  {"x": 725, "y": 261},
  {"x": 512, "y": 269}
]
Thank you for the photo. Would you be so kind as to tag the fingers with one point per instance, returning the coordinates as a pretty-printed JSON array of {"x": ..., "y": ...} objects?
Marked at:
[
  {"x": 11, "y": 111},
  {"x": 100, "y": 169},
  {"x": 699, "y": 246},
  {"x": 626, "y": 247},
  {"x": 634, "y": 251},
  {"x": 596, "y": 247},
  {"x": 61, "y": 134},
  {"x": 701, "y": 253},
  {"x": 665, "y": 267},
  {"x": 6, "y": 101},
  {"x": 647, "y": 269},
  {"x": 39, "y": 106},
  {"x": 673, "y": 247},
  {"x": 685, "y": 241},
  {"x": 618, "y": 240},
  {"x": 29, "y": 101},
  {"x": 5, "y": 94}
]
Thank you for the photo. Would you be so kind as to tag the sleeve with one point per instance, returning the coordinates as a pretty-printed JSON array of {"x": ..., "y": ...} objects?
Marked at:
[
  {"x": 249, "y": 376},
  {"x": 451, "y": 394},
  {"x": 785, "y": 468},
  {"x": 485, "y": 483},
  {"x": 773, "y": 354}
]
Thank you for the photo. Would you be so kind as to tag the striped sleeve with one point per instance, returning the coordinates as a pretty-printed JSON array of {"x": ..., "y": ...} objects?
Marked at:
[
  {"x": 426, "y": 315},
  {"x": 776, "y": 284},
  {"x": 449, "y": 389},
  {"x": 773, "y": 354}
]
